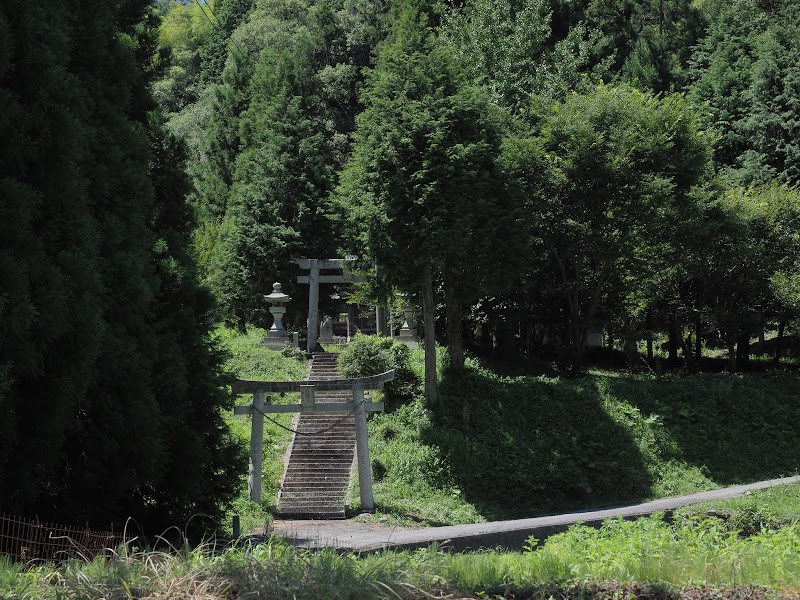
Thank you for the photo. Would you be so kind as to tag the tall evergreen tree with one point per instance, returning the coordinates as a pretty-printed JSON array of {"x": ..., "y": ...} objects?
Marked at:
[
  {"x": 746, "y": 81},
  {"x": 104, "y": 349},
  {"x": 225, "y": 16},
  {"x": 421, "y": 192}
]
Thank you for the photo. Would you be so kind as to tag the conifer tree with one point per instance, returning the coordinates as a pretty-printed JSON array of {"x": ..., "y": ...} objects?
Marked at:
[
  {"x": 421, "y": 192},
  {"x": 110, "y": 386}
]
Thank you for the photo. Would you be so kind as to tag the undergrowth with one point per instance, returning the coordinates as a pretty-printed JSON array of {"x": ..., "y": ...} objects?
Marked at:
[
  {"x": 696, "y": 558},
  {"x": 501, "y": 446}
]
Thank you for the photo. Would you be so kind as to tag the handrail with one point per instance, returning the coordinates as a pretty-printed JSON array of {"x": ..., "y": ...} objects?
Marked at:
[{"x": 372, "y": 382}]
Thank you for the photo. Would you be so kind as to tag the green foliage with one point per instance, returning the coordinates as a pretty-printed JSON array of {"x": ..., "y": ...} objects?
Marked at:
[
  {"x": 184, "y": 31},
  {"x": 746, "y": 78},
  {"x": 371, "y": 355},
  {"x": 227, "y": 15},
  {"x": 606, "y": 180},
  {"x": 501, "y": 44},
  {"x": 275, "y": 136},
  {"x": 111, "y": 390},
  {"x": 421, "y": 176},
  {"x": 642, "y": 558},
  {"x": 759, "y": 510}
]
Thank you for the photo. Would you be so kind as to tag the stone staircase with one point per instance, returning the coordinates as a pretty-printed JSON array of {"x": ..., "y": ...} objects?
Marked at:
[{"x": 317, "y": 476}]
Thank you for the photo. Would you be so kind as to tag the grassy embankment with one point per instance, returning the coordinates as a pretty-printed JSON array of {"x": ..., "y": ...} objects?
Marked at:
[
  {"x": 547, "y": 443},
  {"x": 248, "y": 360},
  {"x": 541, "y": 443}
]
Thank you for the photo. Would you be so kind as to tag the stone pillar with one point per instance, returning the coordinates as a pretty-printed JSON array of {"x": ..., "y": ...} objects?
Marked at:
[
  {"x": 313, "y": 306},
  {"x": 326, "y": 331},
  {"x": 362, "y": 452},
  {"x": 256, "y": 447},
  {"x": 380, "y": 319},
  {"x": 276, "y": 336}
]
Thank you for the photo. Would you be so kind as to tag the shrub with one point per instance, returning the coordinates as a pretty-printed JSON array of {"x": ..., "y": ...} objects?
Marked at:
[{"x": 371, "y": 355}]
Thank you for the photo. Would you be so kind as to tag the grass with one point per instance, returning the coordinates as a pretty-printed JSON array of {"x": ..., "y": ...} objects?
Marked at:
[
  {"x": 771, "y": 508},
  {"x": 552, "y": 444},
  {"x": 509, "y": 444},
  {"x": 647, "y": 557},
  {"x": 247, "y": 359}
]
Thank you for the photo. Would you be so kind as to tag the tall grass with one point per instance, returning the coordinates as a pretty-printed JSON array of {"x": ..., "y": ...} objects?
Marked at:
[{"x": 647, "y": 552}]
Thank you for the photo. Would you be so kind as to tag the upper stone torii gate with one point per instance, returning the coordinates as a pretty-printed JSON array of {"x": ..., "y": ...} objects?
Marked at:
[{"x": 313, "y": 279}]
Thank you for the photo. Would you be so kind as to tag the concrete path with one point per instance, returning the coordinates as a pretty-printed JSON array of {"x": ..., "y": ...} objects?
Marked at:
[{"x": 366, "y": 537}]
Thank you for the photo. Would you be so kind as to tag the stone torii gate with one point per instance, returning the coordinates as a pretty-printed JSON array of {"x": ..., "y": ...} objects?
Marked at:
[
  {"x": 313, "y": 279},
  {"x": 261, "y": 406}
]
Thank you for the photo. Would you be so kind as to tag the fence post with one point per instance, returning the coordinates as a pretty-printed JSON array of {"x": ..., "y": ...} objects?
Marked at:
[
  {"x": 256, "y": 447},
  {"x": 362, "y": 451}
]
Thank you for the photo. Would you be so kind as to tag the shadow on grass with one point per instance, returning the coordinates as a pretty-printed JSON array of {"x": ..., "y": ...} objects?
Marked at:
[
  {"x": 534, "y": 445},
  {"x": 737, "y": 428}
]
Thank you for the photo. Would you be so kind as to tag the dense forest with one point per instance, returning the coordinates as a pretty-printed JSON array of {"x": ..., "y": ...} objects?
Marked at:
[
  {"x": 535, "y": 168},
  {"x": 531, "y": 169}
]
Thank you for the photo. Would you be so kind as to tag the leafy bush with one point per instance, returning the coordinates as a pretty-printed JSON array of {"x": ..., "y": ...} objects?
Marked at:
[{"x": 371, "y": 355}]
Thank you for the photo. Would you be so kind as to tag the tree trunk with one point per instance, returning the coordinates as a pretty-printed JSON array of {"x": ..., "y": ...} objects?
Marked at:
[
  {"x": 576, "y": 343},
  {"x": 698, "y": 349},
  {"x": 688, "y": 356},
  {"x": 455, "y": 333},
  {"x": 731, "y": 339},
  {"x": 779, "y": 342},
  {"x": 429, "y": 331},
  {"x": 743, "y": 352},
  {"x": 649, "y": 325},
  {"x": 672, "y": 347}
]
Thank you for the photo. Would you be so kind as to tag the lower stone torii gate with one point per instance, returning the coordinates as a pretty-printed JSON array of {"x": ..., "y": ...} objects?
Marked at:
[{"x": 261, "y": 406}]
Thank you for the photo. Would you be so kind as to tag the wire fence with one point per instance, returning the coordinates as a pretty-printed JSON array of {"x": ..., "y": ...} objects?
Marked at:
[{"x": 26, "y": 540}]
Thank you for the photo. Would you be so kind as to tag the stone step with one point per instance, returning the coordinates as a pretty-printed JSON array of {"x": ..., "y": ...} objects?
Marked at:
[
  {"x": 322, "y": 516},
  {"x": 332, "y": 492},
  {"x": 312, "y": 485},
  {"x": 311, "y": 473},
  {"x": 344, "y": 446},
  {"x": 332, "y": 484},
  {"x": 314, "y": 496},
  {"x": 324, "y": 441},
  {"x": 311, "y": 506},
  {"x": 338, "y": 482},
  {"x": 317, "y": 481},
  {"x": 330, "y": 452},
  {"x": 337, "y": 443},
  {"x": 339, "y": 457},
  {"x": 317, "y": 472}
]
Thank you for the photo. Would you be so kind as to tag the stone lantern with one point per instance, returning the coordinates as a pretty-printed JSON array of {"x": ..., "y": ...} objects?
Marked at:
[
  {"x": 277, "y": 335},
  {"x": 408, "y": 333}
]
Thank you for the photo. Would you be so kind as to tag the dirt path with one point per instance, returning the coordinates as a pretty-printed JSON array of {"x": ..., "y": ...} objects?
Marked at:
[{"x": 369, "y": 537}]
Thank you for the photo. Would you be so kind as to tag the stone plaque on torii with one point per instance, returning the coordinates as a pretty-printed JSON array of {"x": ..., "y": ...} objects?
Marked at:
[{"x": 313, "y": 279}]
